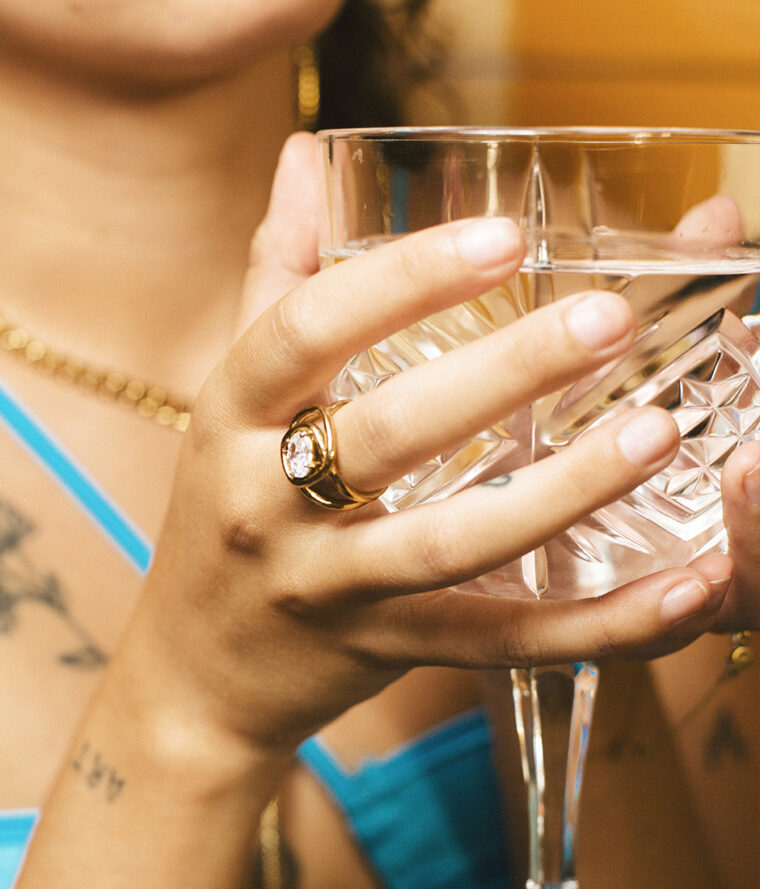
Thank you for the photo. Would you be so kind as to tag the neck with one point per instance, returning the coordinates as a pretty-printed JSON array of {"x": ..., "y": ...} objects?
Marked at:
[{"x": 125, "y": 222}]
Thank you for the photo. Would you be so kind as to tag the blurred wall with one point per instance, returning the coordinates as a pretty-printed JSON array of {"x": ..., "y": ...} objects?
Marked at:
[
  {"x": 474, "y": 86},
  {"x": 652, "y": 62}
]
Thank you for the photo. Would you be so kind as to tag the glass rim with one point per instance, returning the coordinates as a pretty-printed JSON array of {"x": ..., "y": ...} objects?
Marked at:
[{"x": 601, "y": 134}]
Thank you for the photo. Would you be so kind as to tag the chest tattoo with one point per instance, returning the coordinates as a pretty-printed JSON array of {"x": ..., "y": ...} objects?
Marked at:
[
  {"x": 22, "y": 583},
  {"x": 725, "y": 742}
]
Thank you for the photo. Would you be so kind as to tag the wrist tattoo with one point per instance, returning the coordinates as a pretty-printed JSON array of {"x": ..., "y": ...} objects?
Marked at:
[{"x": 96, "y": 773}]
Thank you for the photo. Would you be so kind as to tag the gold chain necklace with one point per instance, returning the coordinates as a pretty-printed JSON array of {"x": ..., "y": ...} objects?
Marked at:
[{"x": 150, "y": 401}]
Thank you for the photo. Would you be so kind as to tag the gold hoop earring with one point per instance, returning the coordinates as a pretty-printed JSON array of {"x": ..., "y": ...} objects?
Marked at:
[{"x": 306, "y": 61}]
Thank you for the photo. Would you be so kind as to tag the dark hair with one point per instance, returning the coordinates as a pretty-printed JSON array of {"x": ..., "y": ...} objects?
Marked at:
[{"x": 371, "y": 54}]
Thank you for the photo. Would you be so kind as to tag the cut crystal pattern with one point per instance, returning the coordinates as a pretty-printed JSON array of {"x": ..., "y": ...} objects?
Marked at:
[
  {"x": 677, "y": 514},
  {"x": 668, "y": 520},
  {"x": 486, "y": 452},
  {"x": 714, "y": 415}
]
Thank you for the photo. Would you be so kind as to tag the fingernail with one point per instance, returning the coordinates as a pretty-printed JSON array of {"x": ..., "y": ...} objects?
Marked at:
[
  {"x": 683, "y": 601},
  {"x": 647, "y": 438},
  {"x": 751, "y": 485},
  {"x": 717, "y": 588},
  {"x": 600, "y": 320},
  {"x": 486, "y": 243}
]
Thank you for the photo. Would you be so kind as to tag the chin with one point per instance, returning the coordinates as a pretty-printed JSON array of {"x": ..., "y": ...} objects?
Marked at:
[{"x": 143, "y": 43}]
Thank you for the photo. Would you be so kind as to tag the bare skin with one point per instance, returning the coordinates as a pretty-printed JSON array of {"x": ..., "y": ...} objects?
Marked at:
[{"x": 97, "y": 238}]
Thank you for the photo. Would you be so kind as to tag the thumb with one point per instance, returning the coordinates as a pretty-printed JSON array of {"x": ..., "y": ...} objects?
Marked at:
[
  {"x": 284, "y": 248},
  {"x": 741, "y": 513}
]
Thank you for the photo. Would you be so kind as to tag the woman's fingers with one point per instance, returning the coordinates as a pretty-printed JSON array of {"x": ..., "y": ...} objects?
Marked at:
[
  {"x": 646, "y": 618},
  {"x": 428, "y": 409},
  {"x": 741, "y": 514},
  {"x": 714, "y": 222},
  {"x": 483, "y": 527},
  {"x": 302, "y": 341}
]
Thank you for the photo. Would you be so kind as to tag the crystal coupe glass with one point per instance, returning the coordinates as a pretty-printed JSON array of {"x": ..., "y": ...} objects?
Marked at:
[{"x": 668, "y": 218}]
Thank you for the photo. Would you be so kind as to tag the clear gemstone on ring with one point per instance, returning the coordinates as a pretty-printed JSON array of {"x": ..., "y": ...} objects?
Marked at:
[{"x": 300, "y": 454}]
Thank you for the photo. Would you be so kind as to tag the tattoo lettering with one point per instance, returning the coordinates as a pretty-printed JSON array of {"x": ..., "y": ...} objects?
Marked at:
[
  {"x": 97, "y": 774},
  {"x": 21, "y": 582}
]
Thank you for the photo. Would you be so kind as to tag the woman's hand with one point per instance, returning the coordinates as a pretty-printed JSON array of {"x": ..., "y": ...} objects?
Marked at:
[
  {"x": 264, "y": 615},
  {"x": 741, "y": 513},
  {"x": 278, "y": 614},
  {"x": 740, "y": 483}
]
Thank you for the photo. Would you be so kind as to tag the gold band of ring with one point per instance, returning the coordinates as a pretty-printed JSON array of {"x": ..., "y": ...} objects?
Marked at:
[{"x": 308, "y": 454}]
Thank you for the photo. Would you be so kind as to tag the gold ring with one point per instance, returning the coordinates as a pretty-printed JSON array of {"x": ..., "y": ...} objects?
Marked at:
[{"x": 308, "y": 454}]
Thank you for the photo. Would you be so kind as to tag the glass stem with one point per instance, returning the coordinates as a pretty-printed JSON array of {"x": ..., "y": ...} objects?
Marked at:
[{"x": 553, "y": 712}]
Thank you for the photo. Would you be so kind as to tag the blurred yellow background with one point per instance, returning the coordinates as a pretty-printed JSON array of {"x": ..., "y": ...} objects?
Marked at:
[{"x": 649, "y": 63}]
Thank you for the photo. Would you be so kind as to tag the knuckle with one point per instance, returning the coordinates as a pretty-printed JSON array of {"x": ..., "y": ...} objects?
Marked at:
[
  {"x": 308, "y": 590},
  {"x": 289, "y": 326},
  {"x": 543, "y": 335},
  {"x": 213, "y": 413},
  {"x": 413, "y": 262},
  {"x": 590, "y": 475},
  {"x": 579, "y": 484},
  {"x": 520, "y": 350},
  {"x": 240, "y": 531},
  {"x": 374, "y": 655},
  {"x": 381, "y": 429},
  {"x": 378, "y": 637},
  {"x": 517, "y": 645},
  {"x": 293, "y": 594},
  {"x": 296, "y": 603},
  {"x": 606, "y": 634},
  {"x": 439, "y": 550}
]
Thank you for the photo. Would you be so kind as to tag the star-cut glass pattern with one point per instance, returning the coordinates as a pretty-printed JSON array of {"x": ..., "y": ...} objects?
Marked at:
[{"x": 717, "y": 408}]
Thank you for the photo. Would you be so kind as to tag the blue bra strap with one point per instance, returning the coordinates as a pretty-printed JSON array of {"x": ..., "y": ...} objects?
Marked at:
[
  {"x": 15, "y": 833},
  {"x": 83, "y": 489},
  {"x": 314, "y": 754}
]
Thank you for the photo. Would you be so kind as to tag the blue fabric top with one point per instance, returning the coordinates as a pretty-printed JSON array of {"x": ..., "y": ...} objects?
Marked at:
[{"x": 427, "y": 816}]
